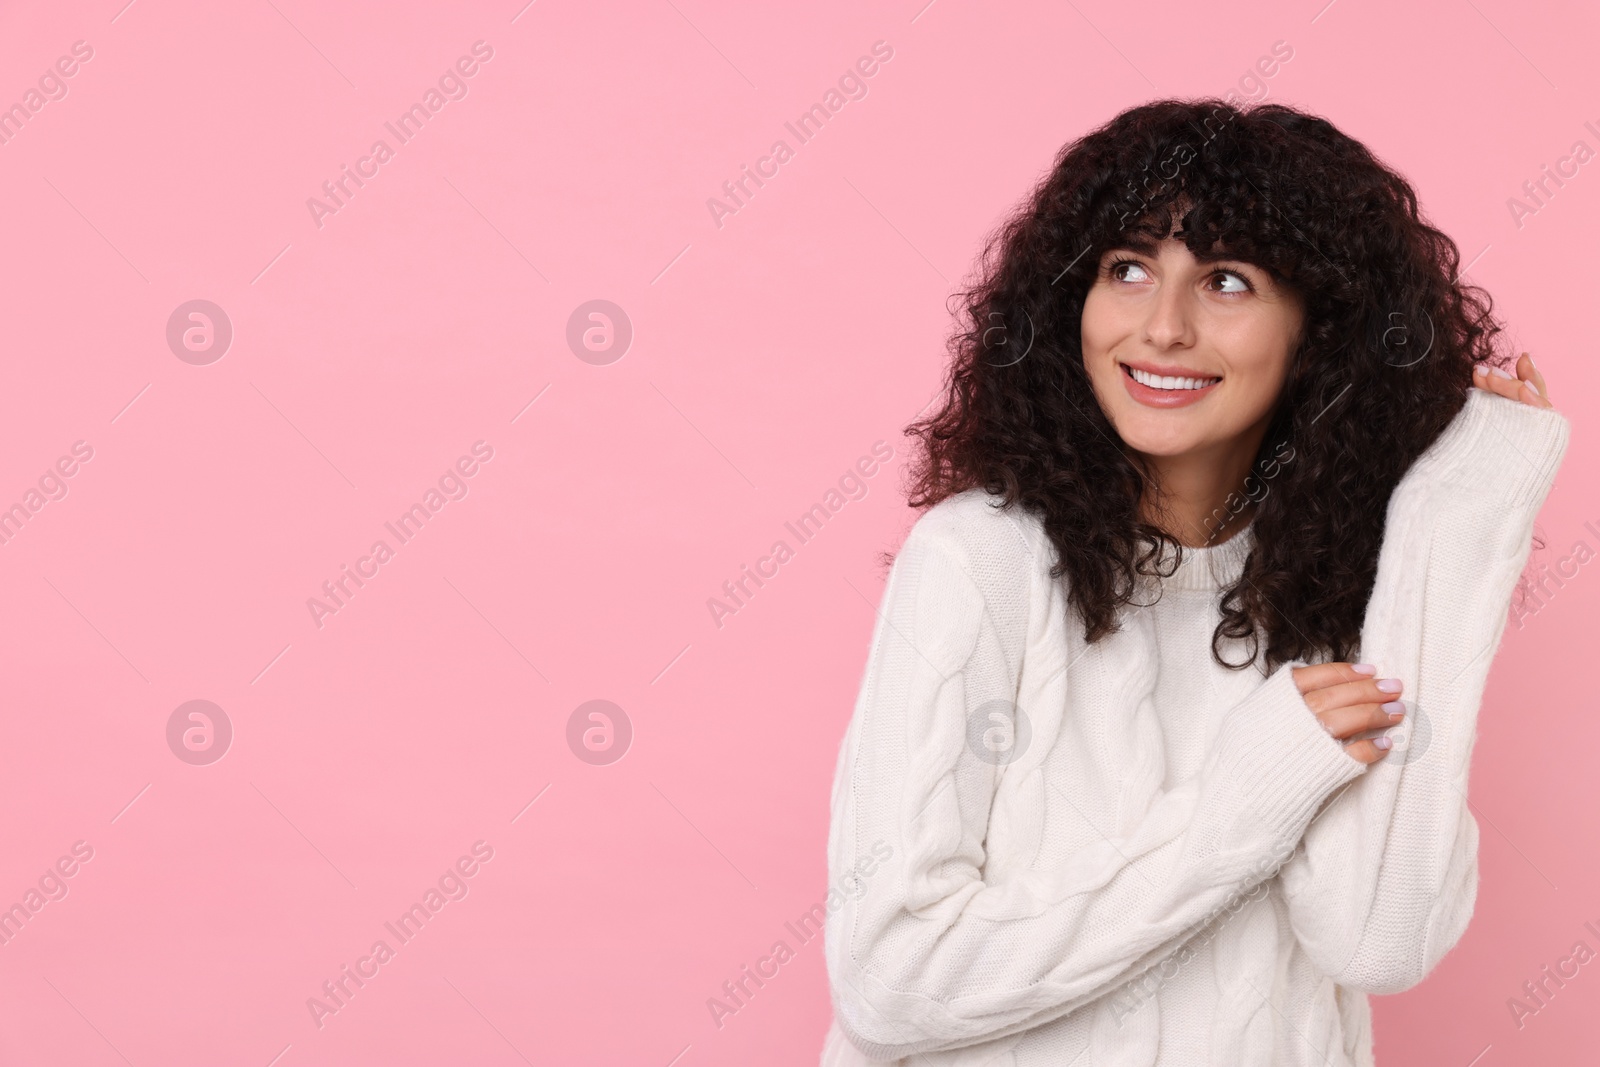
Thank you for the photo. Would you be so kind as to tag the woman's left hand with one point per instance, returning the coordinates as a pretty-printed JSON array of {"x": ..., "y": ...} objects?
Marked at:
[{"x": 1528, "y": 386}]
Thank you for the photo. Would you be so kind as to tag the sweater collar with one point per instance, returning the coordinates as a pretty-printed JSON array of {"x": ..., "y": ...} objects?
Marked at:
[{"x": 1212, "y": 567}]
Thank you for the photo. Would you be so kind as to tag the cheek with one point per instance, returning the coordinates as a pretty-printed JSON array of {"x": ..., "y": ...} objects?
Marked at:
[
  {"x": 1258, "y": 362},
  {"x": 1099, "y": 329},
  {"x": 1259, "y": 348}
]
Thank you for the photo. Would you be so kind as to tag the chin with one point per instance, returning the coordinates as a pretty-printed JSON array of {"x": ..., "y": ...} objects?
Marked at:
[
  {"x": 1156, "y": 437},
  {"x": 1160, "y": 447}
]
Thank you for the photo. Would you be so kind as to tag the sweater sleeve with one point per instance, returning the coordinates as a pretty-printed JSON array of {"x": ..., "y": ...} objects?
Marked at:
[
  {"x": 929, "y": 951},
  {"x": 1386, "y": 877}
]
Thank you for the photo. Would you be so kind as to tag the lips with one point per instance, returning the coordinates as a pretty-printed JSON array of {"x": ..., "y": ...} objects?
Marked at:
[{"x": 1155, "y": 396}]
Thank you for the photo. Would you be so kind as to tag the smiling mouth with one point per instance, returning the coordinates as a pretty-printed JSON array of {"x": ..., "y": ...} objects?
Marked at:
[{"x": 1172, "y": 384}]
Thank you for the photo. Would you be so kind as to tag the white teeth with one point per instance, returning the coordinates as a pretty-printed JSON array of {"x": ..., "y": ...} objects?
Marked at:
[{"x": 1155, "y": 381}]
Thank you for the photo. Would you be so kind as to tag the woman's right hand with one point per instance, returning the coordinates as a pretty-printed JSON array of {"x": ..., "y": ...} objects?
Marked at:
[{"x": 1348, "y": 701}]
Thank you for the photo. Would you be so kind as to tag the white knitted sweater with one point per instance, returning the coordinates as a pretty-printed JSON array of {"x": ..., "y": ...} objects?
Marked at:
[{"x": 1043, "y": 848}]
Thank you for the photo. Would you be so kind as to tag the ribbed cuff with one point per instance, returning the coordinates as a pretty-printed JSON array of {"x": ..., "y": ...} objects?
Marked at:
[
  {"x": 1279, "y": 760},
  {"x": 1500, "y": 446}
]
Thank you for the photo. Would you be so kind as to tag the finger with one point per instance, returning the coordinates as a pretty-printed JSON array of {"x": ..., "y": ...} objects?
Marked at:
[
  {"x": 1530, "y": 375},
  {"x": 1366, "y": 750},
  {"x": 1482, "y": 379},
  {"x": 1497, "y": 380},
  {"x": 1322, "y": 675},
  {"x": 1345, "y": 722},
  {"x": 1352, "y": 693},
  {"x": 1537, "y": 376}
]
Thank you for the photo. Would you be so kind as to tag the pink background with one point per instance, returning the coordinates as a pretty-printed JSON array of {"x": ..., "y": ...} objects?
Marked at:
[{"x": 768, "y": 356}]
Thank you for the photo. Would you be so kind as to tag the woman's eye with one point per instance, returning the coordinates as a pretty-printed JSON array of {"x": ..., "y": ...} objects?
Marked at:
[
  {"x": 1117, "y": 271},
  {"x": 1128, "y": 270},
  {"x": 1238, "y": 279}
]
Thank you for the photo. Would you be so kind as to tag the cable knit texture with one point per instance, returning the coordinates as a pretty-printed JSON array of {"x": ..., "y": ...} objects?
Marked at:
[{"x": 1125, "y": 854}]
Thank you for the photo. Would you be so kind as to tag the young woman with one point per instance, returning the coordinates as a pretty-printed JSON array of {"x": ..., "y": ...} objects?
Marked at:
[{"x": 1222, "y": 419}]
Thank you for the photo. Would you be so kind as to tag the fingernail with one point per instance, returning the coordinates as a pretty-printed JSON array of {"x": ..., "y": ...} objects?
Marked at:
[
  {"x": 1531, "y": 363},
  {"x": 1389, "y": 685},
  {"x": 1535, "y": 388},
  {"x": 1382, "y": 742},
  {"x": 1501, "y": 372},
  {"x": 1363, "y": 668},
  {"x": 1395, "y": 708},
  {"x": 1480, "y": 370}
]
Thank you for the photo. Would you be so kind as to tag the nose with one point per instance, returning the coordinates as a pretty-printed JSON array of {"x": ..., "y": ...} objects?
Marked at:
[{"x": 1170, "y": 321}]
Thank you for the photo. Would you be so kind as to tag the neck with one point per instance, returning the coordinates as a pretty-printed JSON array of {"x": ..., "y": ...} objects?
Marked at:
[{"x": 1198, "y": 497}]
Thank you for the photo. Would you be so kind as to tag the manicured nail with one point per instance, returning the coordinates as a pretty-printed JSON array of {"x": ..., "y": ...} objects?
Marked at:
[
  {"x": 1395, "y": 708},
  {"x": 1388, "y": 685},
  {"x": 1480, "y": 370},
  {"x": 1363, "y": 668},
  {"x": 1382, "y": 742},
  {"x": 1531, "y": 363},
  {"x": 1501, "y": 372},
  {"x": 1535, "y": 388}
]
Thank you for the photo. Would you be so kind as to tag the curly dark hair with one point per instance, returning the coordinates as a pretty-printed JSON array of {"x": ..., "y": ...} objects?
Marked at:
[{"x": 1383, "y": 365}]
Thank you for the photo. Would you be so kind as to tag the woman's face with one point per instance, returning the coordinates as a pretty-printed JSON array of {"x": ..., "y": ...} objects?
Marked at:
[{"x": 1223, "y": 325}]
